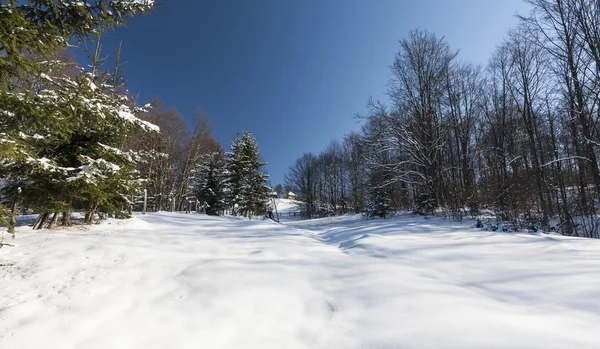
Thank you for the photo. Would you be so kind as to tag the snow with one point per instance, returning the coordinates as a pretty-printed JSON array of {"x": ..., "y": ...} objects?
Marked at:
[
  {"x": 288, "y": 209},
  {"x": 287, "y": 205},
  {"x": 46, "y": 77},
  {"x": 125, "y": 114},
  {"x": 170, "y": 280},
  {"x": 45, "y": 163},
  {"x": 7, "y": 113}
]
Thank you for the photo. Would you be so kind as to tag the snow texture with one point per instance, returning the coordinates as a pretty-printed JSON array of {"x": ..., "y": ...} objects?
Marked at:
[
  {"x": 285, "y": 206},
  {"x": 170, "y": 280}
]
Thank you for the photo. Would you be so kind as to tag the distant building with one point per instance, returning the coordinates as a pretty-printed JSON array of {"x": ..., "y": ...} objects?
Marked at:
[{"x": 291, "y": 196}]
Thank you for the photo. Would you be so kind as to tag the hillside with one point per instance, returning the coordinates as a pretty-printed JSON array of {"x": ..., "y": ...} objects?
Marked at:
[{"x": 170, "y": 280}]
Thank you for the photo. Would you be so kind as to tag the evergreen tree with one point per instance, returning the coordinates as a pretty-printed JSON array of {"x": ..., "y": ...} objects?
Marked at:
[
  {"x": 378, "y": 204},
  {"x": 37, "y": 28},
  {"x": 210, "y": 177},
  {"x": 60, "y": 141},
  {"x": 248, "y": 192}
]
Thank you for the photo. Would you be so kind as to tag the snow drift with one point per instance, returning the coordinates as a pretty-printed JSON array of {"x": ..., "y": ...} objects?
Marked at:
[{"x": 171, "y": 280}]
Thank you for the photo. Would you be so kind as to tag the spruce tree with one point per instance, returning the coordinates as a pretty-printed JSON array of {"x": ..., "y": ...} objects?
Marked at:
[
  {"x": 210, "y": 182},
  {"x": 60, "y": 141},
  {"x": 378, "y": 203},
  {"x": 248, "y": 192}
]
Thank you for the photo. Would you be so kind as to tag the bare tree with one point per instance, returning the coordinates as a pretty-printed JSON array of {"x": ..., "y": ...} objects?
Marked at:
[
  {"x": 420, "y": 72},
  {"x": 302, "y": 177}
]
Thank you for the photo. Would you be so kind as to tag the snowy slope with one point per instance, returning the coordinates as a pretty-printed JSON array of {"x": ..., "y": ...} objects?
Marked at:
[
  {"x": 284, "y": 206},
  {"x": 288, "y": 210},
  {"x": 190, "y": 281}
]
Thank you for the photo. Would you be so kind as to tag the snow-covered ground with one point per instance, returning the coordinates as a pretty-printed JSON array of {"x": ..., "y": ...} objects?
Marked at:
[
  {"x": 288, "y": 210},
  {"x": 170, "y": 280},
  {"x": 285, "y": 206}
]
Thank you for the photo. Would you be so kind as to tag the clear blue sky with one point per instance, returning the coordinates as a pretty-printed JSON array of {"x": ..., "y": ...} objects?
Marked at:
[{"x": 292, "y": 72}]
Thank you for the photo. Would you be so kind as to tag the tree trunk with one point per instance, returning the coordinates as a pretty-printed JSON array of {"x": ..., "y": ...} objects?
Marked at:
[
  {"x": 66, "y": 215},
  {"x": 130, "y": 211},
  {"x": 89, "y": 215}
]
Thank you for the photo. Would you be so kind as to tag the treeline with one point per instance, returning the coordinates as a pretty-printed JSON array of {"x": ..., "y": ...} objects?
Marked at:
[
  {"x": 175, "y": 152},
  {"x": 333, "y": 182},
  {"x": 189, "y": 169},
  {"x": 74, "y": 138},
  {"x": 517, "y": 138},
  {"x": 233, "y": 182}
]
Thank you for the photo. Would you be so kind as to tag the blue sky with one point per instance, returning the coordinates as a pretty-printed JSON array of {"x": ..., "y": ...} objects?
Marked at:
[{"x": 294, "y": 73}]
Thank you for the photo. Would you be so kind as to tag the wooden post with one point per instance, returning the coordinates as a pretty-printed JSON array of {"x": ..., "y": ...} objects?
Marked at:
[
  {"x": 131, "y": 206},
  {"x": 15, "y": 208},
  {"x": 275, "y": 206},
  {"x": 53, "y": 221},
  {"x": 145, "y": 200}
]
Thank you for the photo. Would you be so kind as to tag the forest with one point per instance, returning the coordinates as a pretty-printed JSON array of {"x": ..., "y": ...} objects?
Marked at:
[
  {"x": 437, "y": 220},
  {"x": 73, "y": 137},
  {"x": 515, "y": 141}
]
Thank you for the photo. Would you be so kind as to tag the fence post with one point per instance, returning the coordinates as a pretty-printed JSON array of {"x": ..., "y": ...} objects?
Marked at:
[
  {"x": 145, "y": 200},
  {"x": 15, "y": 208}
]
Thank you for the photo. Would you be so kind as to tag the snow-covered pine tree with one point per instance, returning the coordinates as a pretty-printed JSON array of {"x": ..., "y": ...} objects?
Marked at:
[
  {"x": 247, "y": 190},
  {"x": 379, "y": 203},
  {"x": 60, "y": 141},
  {"x": 82, "y": 163},
  {"x": 210, "y": 182},
  {"x": 38, "y": 28}
]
